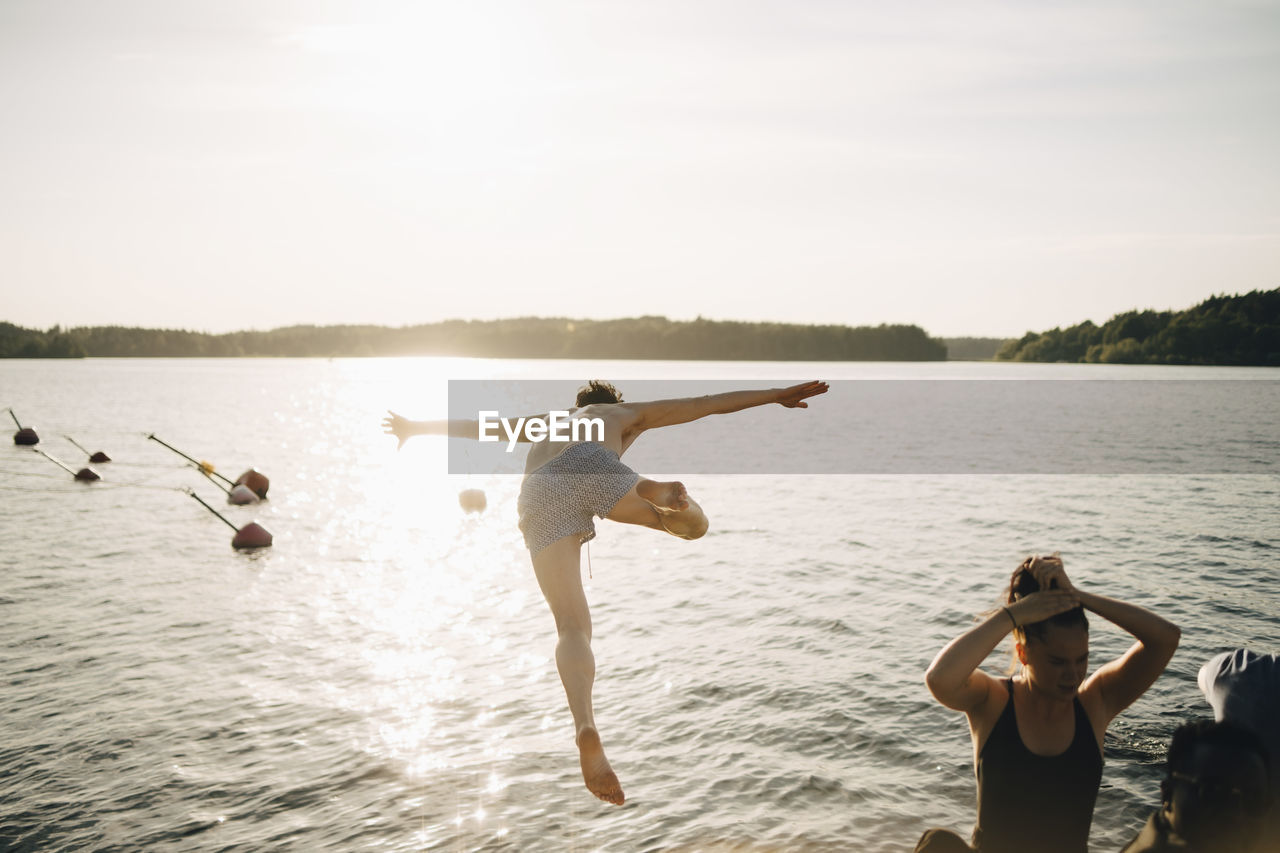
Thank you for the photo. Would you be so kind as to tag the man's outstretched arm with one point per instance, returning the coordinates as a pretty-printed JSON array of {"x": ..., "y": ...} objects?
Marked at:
[
  {"x": 661, "y": 413},
  {"x": 404, "y": 429}
]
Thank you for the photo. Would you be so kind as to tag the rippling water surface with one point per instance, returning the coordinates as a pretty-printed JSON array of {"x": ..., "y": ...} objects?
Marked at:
[{"x": 382, "y": 677}]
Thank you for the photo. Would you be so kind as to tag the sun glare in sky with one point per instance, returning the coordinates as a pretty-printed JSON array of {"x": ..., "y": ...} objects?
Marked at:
[{"x": 974, "y": 168}]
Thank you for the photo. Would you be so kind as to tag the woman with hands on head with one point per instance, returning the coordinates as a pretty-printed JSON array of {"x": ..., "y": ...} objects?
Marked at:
[{"x": 1037, "y": 737}]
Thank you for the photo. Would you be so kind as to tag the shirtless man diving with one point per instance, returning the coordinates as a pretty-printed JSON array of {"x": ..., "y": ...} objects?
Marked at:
[{"x": 565, "y": 485}]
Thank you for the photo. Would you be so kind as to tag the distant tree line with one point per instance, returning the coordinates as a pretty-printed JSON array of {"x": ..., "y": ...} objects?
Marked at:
[
  {"x": 17, "y": 342},
  {"x": 526, "y": 337},
  {"x": 1229, "y": 330},
  {"x": 973, "y": 349}
]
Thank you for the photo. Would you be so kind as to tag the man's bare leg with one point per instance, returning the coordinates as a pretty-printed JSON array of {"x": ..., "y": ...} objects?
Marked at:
[
  {"x": 669, "y": 497},
  {"x": 558, "y": 568},
  {"x": 662, "y": 506}
]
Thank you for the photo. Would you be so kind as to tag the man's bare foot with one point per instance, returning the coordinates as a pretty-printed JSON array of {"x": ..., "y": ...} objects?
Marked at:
[
  {"x": 596, "y": 771},
  {"x": 670, "y": 497}
]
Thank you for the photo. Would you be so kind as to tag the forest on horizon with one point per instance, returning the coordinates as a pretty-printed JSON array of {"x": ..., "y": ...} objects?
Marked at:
[
  {"x": 526, "y": 337},
  {"x": 1227, "y": 330}
]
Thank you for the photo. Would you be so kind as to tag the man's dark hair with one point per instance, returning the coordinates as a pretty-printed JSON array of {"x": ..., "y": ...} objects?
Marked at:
[
  {"x": 597, "y": 391},
  {"x": 1212, "y": 733}
]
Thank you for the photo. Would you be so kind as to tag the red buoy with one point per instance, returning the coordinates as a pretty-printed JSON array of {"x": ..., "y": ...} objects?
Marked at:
[
  {"x": 84, "y": 475},
  {"x": 98, "y": 457},
  {"x": 252, "y": 535},
  {"x": 256, "y": 481},
  {"x": 24, "y": 435}
]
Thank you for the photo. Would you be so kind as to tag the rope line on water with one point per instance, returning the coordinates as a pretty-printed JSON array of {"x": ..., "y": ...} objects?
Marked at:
[
  {"x": 99, "y": 486},
  {"x": 33, "y": 474}
]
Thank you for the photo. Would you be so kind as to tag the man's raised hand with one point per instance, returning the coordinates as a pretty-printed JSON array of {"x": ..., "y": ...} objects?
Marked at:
[
  {"x": 794, "y": 397},
  {"x": 398, "y": 426}
]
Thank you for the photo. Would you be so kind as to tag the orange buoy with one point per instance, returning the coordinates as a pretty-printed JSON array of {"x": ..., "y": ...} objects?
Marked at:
[
  {"x": 256, "y": 481},
  {"x": 238, "y": 495},
  {"x": 206, "y": 468}
]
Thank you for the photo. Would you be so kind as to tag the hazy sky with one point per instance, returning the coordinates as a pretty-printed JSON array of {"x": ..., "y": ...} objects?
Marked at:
[{"x": 974, "y": 167}]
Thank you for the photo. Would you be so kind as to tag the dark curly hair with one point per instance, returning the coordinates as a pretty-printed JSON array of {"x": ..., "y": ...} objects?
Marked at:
[
  {"x": 1222, "y": 733},
  {"x": 597, "y": 391},
  {"x": 1216, "y": 735}
]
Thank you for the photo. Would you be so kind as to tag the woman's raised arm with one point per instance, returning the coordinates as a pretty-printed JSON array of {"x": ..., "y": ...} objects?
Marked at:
[
  {"x": 954, "y": 678},
  {"x": 1120, "y": 682}
]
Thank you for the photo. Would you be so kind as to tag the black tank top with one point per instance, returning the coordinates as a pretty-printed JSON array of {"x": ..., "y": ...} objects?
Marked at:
[{"x": 1036, "y": 802}]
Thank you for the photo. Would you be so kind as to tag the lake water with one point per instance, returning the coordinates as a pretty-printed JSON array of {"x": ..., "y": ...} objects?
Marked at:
[{"x": 382, "y": 677}]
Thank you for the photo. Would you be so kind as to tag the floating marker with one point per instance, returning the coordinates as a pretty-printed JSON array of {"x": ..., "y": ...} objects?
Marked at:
[
  {"x": 84, "y": 475},
  {"x": 252, "y": 535},
  {"x": 240, "y": 495},
  {"x": 205, "y": 467},
  {"x": 93, "y": 457},
  {"x": 256, "y": 482},
  {"x": 24, "y": 435},
  {"x": 472, "y": 500}
]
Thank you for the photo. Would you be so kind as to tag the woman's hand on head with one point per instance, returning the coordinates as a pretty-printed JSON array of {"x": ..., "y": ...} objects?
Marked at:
[
  {"x": 1042, "y": 605},
  {"x": 1050, "y": 573}
]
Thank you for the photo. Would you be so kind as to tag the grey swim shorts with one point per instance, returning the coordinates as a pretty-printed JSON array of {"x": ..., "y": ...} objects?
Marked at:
[{"x": 560, "y": 498}]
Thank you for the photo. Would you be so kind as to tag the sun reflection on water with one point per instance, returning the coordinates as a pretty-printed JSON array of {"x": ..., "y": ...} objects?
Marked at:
[
  {"x": 419, "y": 620},
  {"x": 426, "y": 594},
  {"x": 496, "y": 784}
]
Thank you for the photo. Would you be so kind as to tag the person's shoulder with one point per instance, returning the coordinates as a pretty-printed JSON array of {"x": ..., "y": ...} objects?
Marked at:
[
  {"x": 1238, "y": 664},
  {"x": 1090, "y": 698},
  {"x": 617, "y": 418},
  {"x": 1245, "y": 659},
  {"x": 625, "y": 415},
  {"x": 598, "y": 410}
]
